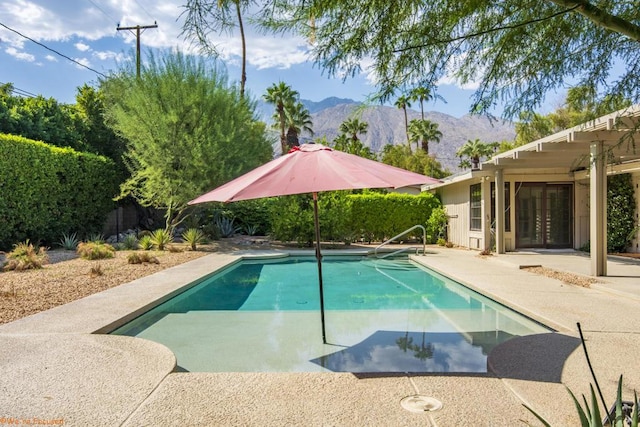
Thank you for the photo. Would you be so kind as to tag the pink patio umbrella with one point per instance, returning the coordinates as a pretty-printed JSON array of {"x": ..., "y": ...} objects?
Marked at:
[{"x": 312, "y": 168}]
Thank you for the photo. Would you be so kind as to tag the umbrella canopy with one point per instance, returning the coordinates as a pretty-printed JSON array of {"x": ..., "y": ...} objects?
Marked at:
[{"x": 313, "y": 168}]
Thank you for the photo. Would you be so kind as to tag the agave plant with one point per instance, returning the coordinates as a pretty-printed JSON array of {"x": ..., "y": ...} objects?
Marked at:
[
  {"x": 251, "y": 229},
  {"x": 226, "y": 226},
  {"x": 96, "y": 238},
  {"x": 160, "y": 238},
  {"x": 69, "y": 241},
  {"x": 193, "y": 237},
  {"x": 130, "y": 242},
  {"x": 145, "y": 243}
]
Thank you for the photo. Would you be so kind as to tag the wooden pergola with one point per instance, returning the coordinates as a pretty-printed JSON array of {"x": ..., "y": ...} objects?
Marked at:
[{"x": 594, "y": 149}]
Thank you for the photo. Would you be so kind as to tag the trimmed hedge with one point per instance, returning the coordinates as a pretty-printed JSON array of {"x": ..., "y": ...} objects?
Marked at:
[{"x": 46, "y": 191}]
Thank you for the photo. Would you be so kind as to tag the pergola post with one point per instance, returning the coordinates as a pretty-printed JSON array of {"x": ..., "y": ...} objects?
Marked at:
[
  {"x": 500, "y": 204},
  {"x": 598, "y": 209}
]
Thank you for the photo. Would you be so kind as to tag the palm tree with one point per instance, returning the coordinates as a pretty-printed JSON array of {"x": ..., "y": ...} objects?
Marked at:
[
  {"x": 215, "y": 16},
  {"x": 298, "y": 120},
  {"x": 352, "y": 146},
  {"x": 421, "y": 94},
  {"x": 403, "y": 102},
  {"x": 280, "y": 95},
  {"x": 353, "y": 127},
  {"x": 471, "y": 152},
  {"x": 423, "y": 131}
]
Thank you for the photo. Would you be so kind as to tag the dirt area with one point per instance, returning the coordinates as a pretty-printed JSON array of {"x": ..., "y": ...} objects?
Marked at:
[
  {"x": 568, "y": 278},
  {"x": 67, "y": 278}
]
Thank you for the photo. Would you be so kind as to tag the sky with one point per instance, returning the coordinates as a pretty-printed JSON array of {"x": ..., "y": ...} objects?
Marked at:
[{"x": 85, "y": 31}]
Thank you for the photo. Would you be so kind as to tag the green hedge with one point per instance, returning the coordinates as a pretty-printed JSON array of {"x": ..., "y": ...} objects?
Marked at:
[
  {"x": 46, "y": 191},
  {"x": 347, "y": 217},
  {"x": 621, "y": 209}
]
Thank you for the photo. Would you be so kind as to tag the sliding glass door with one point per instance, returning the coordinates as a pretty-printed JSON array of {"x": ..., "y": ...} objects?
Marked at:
[{"x": 544, "y": 214}]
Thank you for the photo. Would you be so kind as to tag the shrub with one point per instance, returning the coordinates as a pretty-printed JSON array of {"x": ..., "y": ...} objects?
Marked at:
[
  {"x": 160, "y": 238},
  {"x": 142, "y": 258},
  {"x": 145, "y": 242},
  {"x": 96, "y": 271},
  {"x": 69, "y": 242},
  {"x": 174, "y": 249},
  {"x": 441, "y": 242},
  {"x": 621, "y": 206},
  {"x": 193, "y": 237},
  {"x": 130, "y": 242},
  {"x": 94, "y": 250},
  {"x": 437, "y": 224},
  {"x": 25, "y": 256}
]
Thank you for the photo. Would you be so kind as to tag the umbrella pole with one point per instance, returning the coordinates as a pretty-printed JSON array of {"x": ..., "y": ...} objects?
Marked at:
[{"x": 319, "y": 258}]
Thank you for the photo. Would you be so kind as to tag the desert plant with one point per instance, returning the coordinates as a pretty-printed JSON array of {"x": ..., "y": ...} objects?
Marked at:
[
  {"x": 193, "y": 237},
  {"x": 96, "y": 238},
  {"x": 69, "y": 241},
  {"x": 226, "y": 226},
  {"x": 174, "y": 249},
  {"x": 25, "y": 256},
  {"x": 145, "y": 242},
  {"x": 251, "y": 229},
  {"x": 130, "y": 242},
  {"x": 96, "y": 271},
  {"x": 160, "y": 238},
  {"x": 95, "y": 250},
  {"x": 441, "y": 242},
  {"x": 142, "y": 258}
]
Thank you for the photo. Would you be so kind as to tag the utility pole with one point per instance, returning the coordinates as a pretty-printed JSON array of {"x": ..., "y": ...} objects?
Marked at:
[{"x": 138, "y": 28}]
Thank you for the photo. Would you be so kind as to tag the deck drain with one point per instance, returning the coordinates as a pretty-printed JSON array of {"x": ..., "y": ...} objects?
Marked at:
[{"x": 419, "y": 403}]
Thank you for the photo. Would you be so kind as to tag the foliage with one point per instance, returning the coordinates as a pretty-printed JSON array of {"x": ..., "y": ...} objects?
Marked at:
[
  {"x": 96, "y": 238},
  {"x": 95, "y": 250},
  {"x": 589, "y": 415},
  {"x": 473, "y": 151},
  {"x": 160, "y": 238},
  {"x": 352, "y": 146},
  {"x": 437, "y": 224},
  {"x": 423, "y": 131},
  {"x": 69, "y": 241},
  {"x": 282, "y": 96},
  {"x": 226, "y": 226},
  {"x": 297, "y": 120},
  {"x": 402, "y": 157},
  {"x": 96, "y": 270},
  {"x": 25, "y": 256},
  {"x": 142, "y": 258},
  {"x": 130, "y": 242},
  {"x": 292, "y": 219},
  {"x": 251, "y": 229},
  {"x": 441, "y": 241},
  {"x": 48, "y": 190},
  {"x": 621, "y": 209},
  {"x": 145, "y": 243},
  {"x": 187, "y": 130},
  {"x": 194, "y": 237},
  {"x": 353, "y": 127},
  {"x": 510, "y": 51}
]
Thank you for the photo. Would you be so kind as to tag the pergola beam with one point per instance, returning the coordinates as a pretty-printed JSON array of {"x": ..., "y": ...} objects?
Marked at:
[{"x": 606, "y": 136}]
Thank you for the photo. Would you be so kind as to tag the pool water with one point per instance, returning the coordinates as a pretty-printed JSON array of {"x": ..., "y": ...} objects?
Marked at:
[{"x": 380, "y": 316}]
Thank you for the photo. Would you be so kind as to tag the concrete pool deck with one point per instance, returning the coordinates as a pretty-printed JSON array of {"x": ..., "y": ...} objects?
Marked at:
[{"x": 55, "y": 369}]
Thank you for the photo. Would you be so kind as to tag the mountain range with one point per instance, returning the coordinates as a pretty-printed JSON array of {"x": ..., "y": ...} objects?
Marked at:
[{"x": 386, "y": 126}]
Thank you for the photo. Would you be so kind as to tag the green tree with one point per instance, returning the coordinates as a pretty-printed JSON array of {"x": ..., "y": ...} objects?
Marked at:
[
  {"x": 298, "y": 120},
  {"x": 420, "y": 162},
  {"x": 473, "y": 150},
  {"x": 353, "y": 127},
  {"x": 281, "y": 95},
  {"x": 187, "y": 130},
  {"x": 404, "y": 102},
  {"x": 424, "y": 131},
  {"x": 513, "y": 52},
  {"x": 352, "y": 146},
  {"x": 204, "y": 17}
]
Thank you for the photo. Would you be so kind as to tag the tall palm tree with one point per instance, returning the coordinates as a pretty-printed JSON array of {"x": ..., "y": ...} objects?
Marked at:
[
  {"x": 298, "y": 120},
  {"x": 472, "y": 151},
  {"x": 280, "y": 95},
  {"x": 423, "y": 131},
  {"x": 403, "y": 102},
  {"x": 354, "y": 127},
  {"x": 215, "y": 16},
  {"x": 421, "y": 94}
]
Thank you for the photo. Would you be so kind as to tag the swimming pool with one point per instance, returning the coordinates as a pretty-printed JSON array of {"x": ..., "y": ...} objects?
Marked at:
[{"x": 381, "y": 316}]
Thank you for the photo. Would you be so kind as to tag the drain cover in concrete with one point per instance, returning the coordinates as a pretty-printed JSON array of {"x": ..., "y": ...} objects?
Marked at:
[{"x": 419, "y": 403}]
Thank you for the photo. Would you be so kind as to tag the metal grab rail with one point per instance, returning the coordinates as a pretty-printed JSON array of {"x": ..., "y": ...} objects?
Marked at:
[{"x": 424, "y": 241}]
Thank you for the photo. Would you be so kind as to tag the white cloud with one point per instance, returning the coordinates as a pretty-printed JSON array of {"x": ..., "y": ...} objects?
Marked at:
[
  {"x": 82, "y": 47},
  {"x": 22, "y": 56},
  {"x": 51, "y": 58},
  {"x": 83, "y": 61},
  {"x": 107, "y": 54}
]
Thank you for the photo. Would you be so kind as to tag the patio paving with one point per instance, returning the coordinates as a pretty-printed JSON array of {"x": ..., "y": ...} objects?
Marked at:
[{"x": 54, "y": 367}]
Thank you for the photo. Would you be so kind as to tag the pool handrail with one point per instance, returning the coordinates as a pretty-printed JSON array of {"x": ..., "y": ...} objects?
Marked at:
[{"x": 424, "y": 242}]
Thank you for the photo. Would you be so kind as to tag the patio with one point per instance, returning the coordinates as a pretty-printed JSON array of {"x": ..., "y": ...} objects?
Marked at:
[{"x": 55, "y": 368}]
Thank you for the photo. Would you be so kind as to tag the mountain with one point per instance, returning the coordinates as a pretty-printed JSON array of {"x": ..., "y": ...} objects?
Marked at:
[{"x": 386, "y": 126}]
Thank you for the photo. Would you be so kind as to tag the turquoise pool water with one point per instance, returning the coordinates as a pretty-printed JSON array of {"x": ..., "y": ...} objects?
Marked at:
[{"x": 380, "y": 315}]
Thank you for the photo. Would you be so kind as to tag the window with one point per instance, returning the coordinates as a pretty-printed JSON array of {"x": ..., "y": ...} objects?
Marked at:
[
  {"x": 507, "y": 205},
  {"x": 475, "y": 211}
]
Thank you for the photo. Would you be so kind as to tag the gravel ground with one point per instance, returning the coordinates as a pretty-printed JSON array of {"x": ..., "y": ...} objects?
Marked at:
[{"x": 67, "y": 278}]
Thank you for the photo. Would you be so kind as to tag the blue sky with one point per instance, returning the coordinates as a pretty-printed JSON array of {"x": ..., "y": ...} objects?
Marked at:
[{"x": 85, "y": 30}]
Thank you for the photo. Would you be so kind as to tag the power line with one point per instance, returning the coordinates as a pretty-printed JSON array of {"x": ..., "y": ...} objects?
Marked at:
[
  {"x": 102, "y": 10},
  {"x": 53, "y": 50},
  {"x": 20, "y": 92},
  {"x": 145, "y": 10}
]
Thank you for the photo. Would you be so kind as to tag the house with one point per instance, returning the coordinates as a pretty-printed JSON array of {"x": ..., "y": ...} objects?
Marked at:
[{"x": 550, "y": 193}]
